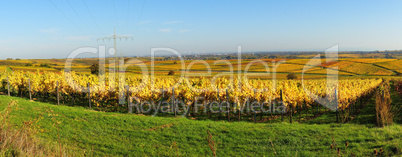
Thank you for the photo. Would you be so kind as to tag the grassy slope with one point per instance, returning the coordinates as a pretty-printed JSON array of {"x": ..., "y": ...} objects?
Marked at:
[{"x": 122, "y": 134}]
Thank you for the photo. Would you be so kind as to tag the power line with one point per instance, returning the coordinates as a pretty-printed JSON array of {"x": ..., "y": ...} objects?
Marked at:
[
  {"x": 114, "y": 37},
  {"x": 93, "y": 19},
  {"x": 139, "y": 20},
  {"x": 143, "y": 3},
  {"x": 115, "y": 16},
  {"x": 128, "y": 14},
  {"x": 78, "y": 15},
  {"x": 65, "y": 16}
]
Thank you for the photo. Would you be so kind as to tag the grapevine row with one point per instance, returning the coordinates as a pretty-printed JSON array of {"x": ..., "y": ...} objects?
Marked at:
[{"x": 107, "y": 89}]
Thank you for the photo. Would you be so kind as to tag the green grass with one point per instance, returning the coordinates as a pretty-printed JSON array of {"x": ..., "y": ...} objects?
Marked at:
[
  {"x": 9, "y": 70},
  {"x": 396, "y": 103},
  {"x": 114, "y": 134}
]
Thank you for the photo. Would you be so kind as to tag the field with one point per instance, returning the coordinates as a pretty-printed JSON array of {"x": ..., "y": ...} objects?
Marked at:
[
  {"x": 51, "y": 85},
  {"x": 201, "y": 78},
  {"x": 394, "y": 65},
  {"x": 366, "y": 69},
  {"x": 319, "y": 116},
  {"x": 113, "y": 134},
  {"x": 346, "y": 66}
]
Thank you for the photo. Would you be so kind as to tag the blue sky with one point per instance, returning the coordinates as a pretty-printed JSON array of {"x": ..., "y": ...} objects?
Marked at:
[{"x": 54, "y": 28}]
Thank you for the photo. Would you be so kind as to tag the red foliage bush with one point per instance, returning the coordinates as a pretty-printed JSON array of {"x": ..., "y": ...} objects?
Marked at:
[{"x": 399, "y": 87}]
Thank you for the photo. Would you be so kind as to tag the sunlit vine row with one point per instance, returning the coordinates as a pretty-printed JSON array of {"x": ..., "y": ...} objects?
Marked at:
[{"x": 106, "y": 88}]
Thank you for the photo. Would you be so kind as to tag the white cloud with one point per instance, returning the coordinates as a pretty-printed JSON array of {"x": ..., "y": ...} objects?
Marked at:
[
  {"x": 165, "y": 30},
  {"x": 172, "y": 22},
  {"x": 78, "y": 38},
  {"x": 144, "y": 22},
  {"x": 185, "y": 30},
  {"x": 50, "y": 31}
]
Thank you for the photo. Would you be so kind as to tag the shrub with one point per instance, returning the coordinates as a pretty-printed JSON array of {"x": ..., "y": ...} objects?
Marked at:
[
  {"x": 95, "y": 69},
  {"x": 171, "y": 72},
  {"x": 398, "y": 86},
  {"x": 28, "y": 64},
  {"x": 291, "y": 76},
  {"x": 383, "y": 109},
  {"x": 45, "y": 65}
]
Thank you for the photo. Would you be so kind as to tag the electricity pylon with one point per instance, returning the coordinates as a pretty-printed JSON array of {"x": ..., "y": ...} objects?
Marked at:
[{"x": 114, "y": 37}]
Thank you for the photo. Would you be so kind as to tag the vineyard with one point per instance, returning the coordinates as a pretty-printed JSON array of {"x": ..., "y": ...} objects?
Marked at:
[
  {"x": 201, "y": 78},
  {"x": 346, "y": 67},
  {"x": 208, "y": 103},
  {"x": 109, "y": 93}
]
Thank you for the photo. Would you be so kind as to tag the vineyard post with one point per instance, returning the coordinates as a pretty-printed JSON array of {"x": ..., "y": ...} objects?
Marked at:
[
  {"x": 351, "y": 111},
  {"x": 255, "y": 117},
  {"x": 228, "y": 104},
  {"x": 255, "y": 112},
  {"x": 89, "y": 96},
  {"x": 58, "y": 95},
  {"x": 319, "y": 109},
  {"x": 220, "y": 105},
  {"x": 163, "y": 92},
  {"x": 299, "y": 111},
  {"x": 163, "y": 95},
  {"x": 239, "y": 106},
  {"x": 30, "y": 93},
  {"x": 316, "y": 108},
  {"x": 312, "y": 108},
  {"x": 183, "y": 100},
  {"x": 337, "y": 106},
  {"x": 304, "y": 102},
  {"x": 291, "y": 112},
  {"x": 261, "y": 113},
  {"x": 129, "y": 106},
  {"x": 343, "y": 115},
  {"x": 72, "y": 100},
  {"x": 173, "y": 102},
  {"x": 208, "y": 107},
  {"x": 8, "y": 86},
  {"x": 238, "y": 109},
  {"x": 271, "y": 105},
  {"x": 337, "y": 115},
  {"x": 193, "y": 108},
  {"x": 262, "y": 108},
  {"x": 140, "y": 109},
  {"x": 283, "y": 104},
  {"x": 355, "y": 107},
  {"x": 21, "y": 91}
]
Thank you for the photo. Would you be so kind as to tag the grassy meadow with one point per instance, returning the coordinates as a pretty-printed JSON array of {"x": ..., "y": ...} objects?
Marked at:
[{"x": 79, "y": 131}]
